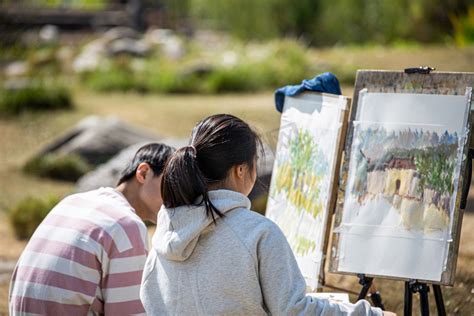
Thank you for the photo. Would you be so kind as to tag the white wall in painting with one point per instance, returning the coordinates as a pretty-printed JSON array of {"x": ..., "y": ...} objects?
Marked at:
[
  {"x": 400, "y": 194},
  {"x": 303, "y": 175}
]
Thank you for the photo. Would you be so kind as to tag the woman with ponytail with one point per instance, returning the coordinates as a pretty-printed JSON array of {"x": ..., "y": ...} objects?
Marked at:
[{"x": 211, "y": 255}]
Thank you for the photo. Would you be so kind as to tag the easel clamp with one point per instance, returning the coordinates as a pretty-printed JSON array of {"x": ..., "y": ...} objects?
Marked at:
[{"x": 424, "y": 70}]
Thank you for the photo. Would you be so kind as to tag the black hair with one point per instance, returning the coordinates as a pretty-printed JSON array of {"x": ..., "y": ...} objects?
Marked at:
[
  {"x": 218, "y": 142},
  {"x": 154, "y": 154}
]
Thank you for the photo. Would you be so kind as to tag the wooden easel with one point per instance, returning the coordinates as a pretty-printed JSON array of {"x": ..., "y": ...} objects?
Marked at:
[{"x": 418, "y": 286}]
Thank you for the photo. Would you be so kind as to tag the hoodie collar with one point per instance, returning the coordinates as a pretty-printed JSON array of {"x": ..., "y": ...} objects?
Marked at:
[{"x": 178, "y": 229}]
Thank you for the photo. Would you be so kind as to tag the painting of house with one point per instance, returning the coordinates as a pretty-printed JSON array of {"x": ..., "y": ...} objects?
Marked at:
[{"x": 397, "y": 177}]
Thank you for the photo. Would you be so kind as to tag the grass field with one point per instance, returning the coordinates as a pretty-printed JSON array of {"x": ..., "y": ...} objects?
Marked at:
[{"x": 175, "y": 115}]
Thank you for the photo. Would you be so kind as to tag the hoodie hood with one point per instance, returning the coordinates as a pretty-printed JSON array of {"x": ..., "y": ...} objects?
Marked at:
[{"x": 178, "y": 229}]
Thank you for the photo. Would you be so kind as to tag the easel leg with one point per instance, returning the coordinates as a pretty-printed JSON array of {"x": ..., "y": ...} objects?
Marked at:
[
  {"x": 408, "y": 300},
  {"x": 439, "y": 300},
  {"x": 366, "y": 284},
  {"x": 425, "y": 307}
]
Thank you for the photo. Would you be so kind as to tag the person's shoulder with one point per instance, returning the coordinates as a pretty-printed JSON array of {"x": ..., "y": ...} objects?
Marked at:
[
  {"x": 104, "y": 208},
  {"x": 250, "y": 222}
]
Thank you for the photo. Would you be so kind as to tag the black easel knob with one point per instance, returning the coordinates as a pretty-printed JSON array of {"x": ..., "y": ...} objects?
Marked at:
[{"x": 424, "y": 70}]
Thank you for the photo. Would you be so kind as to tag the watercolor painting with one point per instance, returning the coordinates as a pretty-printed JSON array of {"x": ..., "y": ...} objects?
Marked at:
[
  {"x": 413, "y": 170},
  {"x": 301, "y": 186},
  {"x": 402, "y": 171}
]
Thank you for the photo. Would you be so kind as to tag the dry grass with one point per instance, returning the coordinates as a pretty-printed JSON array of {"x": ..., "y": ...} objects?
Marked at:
[
  {"x": 379, "y": 57},
  {"x": 170, "y": 116}
]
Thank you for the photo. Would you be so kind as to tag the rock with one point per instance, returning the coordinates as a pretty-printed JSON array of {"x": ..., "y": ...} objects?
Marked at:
[
  {"x": 128, "y": 46},
  {"x": 170, "y": 44},
  {"x": 158, "y": 36},
  {"x": 211, "y": 41},
  {"x": 229, "y": 59},
  {"x": 91, "y": 56},
  {"x": 264, "y": 175},
  {"x": 18, "y": 84},
  {"x": 97, "y": 139},
  {"x": 17, "y": 69},
  {"x": 109, "y": 173},
  {"x": 198, "y": 69},
  {"x": 120, "y": 32},
  {"x": 173, "y": 48},
  {"x": 49, "y": 34}
]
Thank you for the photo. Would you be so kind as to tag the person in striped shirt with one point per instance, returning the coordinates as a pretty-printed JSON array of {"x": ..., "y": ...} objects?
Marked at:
[{"x": 88, "y": 254}]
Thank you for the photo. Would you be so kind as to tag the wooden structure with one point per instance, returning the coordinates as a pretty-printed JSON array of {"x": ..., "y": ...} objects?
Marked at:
[{"x": 22, "y": 14}]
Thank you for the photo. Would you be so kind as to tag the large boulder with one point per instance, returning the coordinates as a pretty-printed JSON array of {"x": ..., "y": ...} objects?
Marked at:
[
  {"x": 129, "y": 46},
  {"x": 91, "y": 56},
  {"x": 97, "y": 139},
  {"x": 120, "y": 32},
  {"x": 49, "y": 34},
  {"x": 108, "y": 174}
]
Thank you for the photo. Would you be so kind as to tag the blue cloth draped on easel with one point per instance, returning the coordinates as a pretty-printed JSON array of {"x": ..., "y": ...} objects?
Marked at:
[{"x": 326, "y": 82}]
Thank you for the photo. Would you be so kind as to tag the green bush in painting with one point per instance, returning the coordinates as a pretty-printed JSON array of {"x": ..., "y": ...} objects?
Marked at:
[
  {"x": 59, "y": 167},
  {"x": 28, "y": 214},
  {"x": 34, "y": 98}
]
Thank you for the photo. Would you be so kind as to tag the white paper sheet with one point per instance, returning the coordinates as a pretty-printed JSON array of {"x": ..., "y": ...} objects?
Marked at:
[{"x": 403, "y": 173}]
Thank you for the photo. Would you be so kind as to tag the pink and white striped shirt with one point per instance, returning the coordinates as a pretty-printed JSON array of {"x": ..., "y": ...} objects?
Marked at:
[{"x": 85, "y": 258}]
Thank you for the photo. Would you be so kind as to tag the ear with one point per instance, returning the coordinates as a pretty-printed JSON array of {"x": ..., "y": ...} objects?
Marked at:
[
  {"x": 240, "y": 170},
  {"x": 142, "y": 172}
]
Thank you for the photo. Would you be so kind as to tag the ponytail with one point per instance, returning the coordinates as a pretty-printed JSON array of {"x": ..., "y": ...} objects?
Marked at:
[{"x": 183, "y": 182}]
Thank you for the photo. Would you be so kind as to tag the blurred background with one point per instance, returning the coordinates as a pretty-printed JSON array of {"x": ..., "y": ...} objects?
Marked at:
[{"x": 82, "y": 82}]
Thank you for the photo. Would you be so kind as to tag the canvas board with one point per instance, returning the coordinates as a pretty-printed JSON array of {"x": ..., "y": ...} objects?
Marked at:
[
  {"x": 398, "y": 203},
  {"x": 302, "y": 192}
]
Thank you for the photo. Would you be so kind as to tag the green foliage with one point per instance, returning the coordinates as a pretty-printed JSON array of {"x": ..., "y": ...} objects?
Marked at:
[
  {"x": 303, "y": 150},
  {"x": 328, "y": 22},
  {"x": 76, "y": 4},
  {"x": 464, "y": 28},
  {"x": 298, "y": 176},
  {"x": 29, "y": 213},
  {"x": 114, "y": 79},
  {"x": 236, "y": 79},
  {"x": 287, "y": 63},
  {"x": 436, "y": 167},
  {"x": 281, "y": 63},
  {"x": 34, "y": 98},
  {"x": 304, "y": 245},
  {"x": 59, "y": 167}
]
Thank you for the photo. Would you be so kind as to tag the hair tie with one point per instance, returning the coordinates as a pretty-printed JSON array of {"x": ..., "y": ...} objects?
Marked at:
[{"x": 193, "y": 148}]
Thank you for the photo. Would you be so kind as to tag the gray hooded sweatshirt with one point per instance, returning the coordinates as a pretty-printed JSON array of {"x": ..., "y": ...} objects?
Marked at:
[{"x": 241, "y": 265}]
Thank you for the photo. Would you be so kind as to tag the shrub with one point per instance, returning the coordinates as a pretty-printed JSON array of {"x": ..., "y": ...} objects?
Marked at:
[
  {"x": 464, "y": 28},
  {"x": 259, "y": 67},
  {"x": 288, "y": 64},
  {"x": 235, "y": 79},
  {"x": 29, "y": 213},
  {"x": 114, "y": 79},
  {"x": 34, "y": 98},
  {"x": 59, "y": 167},
  {"x": 346, "y": 74}
]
